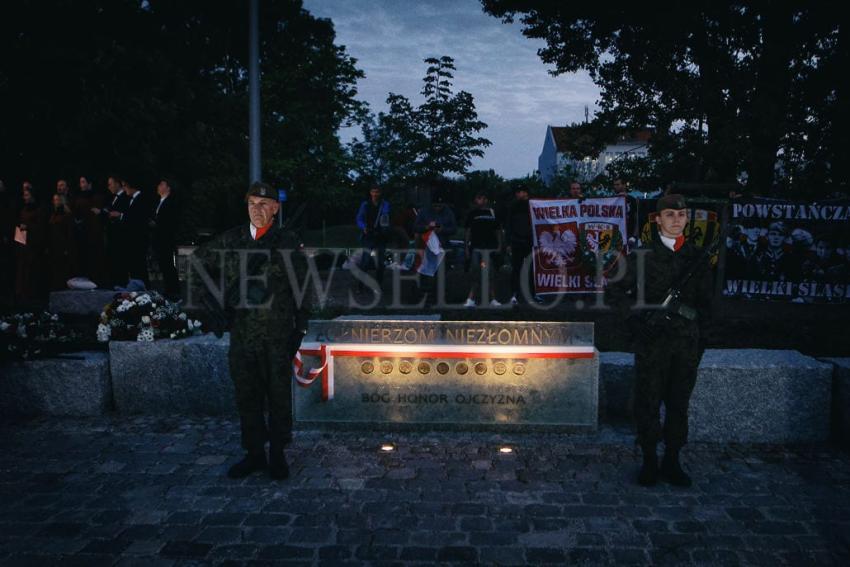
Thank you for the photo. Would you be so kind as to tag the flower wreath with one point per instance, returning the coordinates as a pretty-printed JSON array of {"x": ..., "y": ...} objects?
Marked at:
[{"x": 144, "y": 316}]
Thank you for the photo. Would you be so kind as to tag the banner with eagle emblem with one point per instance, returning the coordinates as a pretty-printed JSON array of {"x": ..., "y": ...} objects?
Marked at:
[{"x": 576, "y": 242}]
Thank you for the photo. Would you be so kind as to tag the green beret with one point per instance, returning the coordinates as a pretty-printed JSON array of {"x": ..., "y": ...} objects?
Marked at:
[
  {"x": 672, "y": 201},
  {"x": 260, "y": 189}
]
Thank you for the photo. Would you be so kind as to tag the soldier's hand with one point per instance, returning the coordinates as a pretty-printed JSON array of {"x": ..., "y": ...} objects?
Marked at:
[{"x": 295, "y": 342}]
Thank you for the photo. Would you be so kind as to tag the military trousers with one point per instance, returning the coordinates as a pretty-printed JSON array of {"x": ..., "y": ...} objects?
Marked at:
[
  {"x": 519, "y": 253},
  {"x": 666, "y": 372},
  {"x": 262, "y": 375}
]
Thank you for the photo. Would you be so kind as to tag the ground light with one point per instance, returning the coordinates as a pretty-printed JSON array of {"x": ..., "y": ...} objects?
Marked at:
[
  {"x": 506, "y": 450},
  {"x": 387, "y": 447}
]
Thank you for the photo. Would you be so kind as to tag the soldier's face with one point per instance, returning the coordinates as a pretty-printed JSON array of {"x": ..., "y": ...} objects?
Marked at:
[
  {"x": 775, "y": 238},
  {"x": 824, "y": 250},
  {"x": 672, "y": 222},
  {"x": 262, "y": 210},
  {"x": 62, "y": 187}
]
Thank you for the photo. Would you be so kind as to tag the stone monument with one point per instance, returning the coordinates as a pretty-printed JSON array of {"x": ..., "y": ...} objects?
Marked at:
[{"x": 488, "y": 375}]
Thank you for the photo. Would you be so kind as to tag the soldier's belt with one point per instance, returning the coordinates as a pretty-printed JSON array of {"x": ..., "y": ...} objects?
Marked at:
[{"x": 327, "y": 351}]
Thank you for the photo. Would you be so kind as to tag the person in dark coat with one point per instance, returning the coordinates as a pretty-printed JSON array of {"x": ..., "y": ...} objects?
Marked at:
[
  {"x": 61, "y": 244},
  {"x": 29, "y": 257},
  {"x": 373, "y": 220},
  {"x": 116, "y": 258},
  {"x": 668, "y": 347},
  {"x": 520, "y": 243},
  {"x": 164, "y": 224},
  {"x": 89, "y": 233},
  {"x": 134, "y": 231},
  {"x": 269, "y": 319},
  {"x": 7, "y": 257},
  {"x": 440, "y": 219}
]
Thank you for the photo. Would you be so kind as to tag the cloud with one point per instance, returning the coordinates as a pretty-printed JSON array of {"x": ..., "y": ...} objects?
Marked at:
[{"x": 513, "y": 90}]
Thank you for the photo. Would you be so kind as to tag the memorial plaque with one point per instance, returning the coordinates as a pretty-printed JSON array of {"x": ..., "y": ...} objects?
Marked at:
[{"x": 492, "y": 374}]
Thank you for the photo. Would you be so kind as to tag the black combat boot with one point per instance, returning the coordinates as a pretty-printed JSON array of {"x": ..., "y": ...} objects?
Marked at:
[
  {"x": 648, "y": 475},
  {"x": 672, "y": 471},
  {"x": 278, "y": 467},
  {"x": 252, "y": 462}
]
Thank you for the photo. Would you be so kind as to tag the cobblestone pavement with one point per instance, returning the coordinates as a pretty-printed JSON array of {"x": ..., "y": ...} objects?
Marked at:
[{"x": 152, "y": 491}]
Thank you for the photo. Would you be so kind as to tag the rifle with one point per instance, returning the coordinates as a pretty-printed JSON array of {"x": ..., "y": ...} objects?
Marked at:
[{"x": 672, "y": 304}]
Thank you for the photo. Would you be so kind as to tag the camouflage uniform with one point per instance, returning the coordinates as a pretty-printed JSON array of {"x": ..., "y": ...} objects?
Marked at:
[
  {"x": 666, "y": 356},
  {"x": 263, "y": 317}
]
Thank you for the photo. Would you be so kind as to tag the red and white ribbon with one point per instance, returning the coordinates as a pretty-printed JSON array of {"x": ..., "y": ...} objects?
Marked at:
[
  {"x": 327, "y": 352},
  {"x": 325, "y": 370}
]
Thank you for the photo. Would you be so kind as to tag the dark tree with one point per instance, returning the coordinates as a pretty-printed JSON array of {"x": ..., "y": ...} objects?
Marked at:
[
  {"x": 439, "y": 136},
  {"x": 716, "y": 81},
  {"x": 160, "y": 88}
]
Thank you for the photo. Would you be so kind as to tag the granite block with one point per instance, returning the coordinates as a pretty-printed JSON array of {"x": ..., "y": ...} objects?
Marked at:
[
  {"x": 761, "y": 396},
  {"x": 57, "y": 386},
  {"x": 482, "y": 383},
  {"x": 180, "y": 376},
  {"x": 840, "y": 399},
  {"x": 80, "y": 302}
]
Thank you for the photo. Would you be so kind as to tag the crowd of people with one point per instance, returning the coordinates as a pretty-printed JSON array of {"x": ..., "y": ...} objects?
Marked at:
[
  {"x": 87, "y": 237},
  {"x": 489, "y": 231}
]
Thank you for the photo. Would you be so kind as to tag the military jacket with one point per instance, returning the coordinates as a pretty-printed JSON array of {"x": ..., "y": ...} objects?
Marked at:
[
  {"x": 265, "y": 287},
  {"x": 662, "y": 268}
]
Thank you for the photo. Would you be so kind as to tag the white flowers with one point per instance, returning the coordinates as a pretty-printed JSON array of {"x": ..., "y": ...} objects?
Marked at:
[
  {"x": 145, "y": 335},
  {"x": 145, "y": 316},
  {"x": 103, "y": 333},
  {"x": 124, "y": 306},
  {"x": 4, "y": 325}
]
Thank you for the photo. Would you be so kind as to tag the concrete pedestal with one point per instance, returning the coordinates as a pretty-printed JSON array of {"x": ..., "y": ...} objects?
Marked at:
[
  {"x": 57, "y": 387},
  {"x": 78, "y": 302},
  {"x": 181, "y": 376}
]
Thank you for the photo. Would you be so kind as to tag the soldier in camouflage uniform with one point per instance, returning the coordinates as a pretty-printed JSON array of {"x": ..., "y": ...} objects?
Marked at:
[
  {"x": 667, "y": 353},
  {"x": 263, "y": 271}
]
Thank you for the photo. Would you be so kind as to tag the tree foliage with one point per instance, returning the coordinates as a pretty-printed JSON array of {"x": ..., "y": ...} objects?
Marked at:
[
  {"x": 159, "y": 88},
  {"x": 731, "y": 89},
  {"x": 438, "y": 137}
]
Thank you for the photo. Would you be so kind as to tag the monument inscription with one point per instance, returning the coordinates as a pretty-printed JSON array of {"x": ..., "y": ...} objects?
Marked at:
[{"x": 448, "y": 372}]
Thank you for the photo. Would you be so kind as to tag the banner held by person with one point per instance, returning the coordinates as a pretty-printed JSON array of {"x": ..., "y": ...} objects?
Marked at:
[
  {"x": 571, "y": 238},
  {"x": 788, "y": 251}
]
